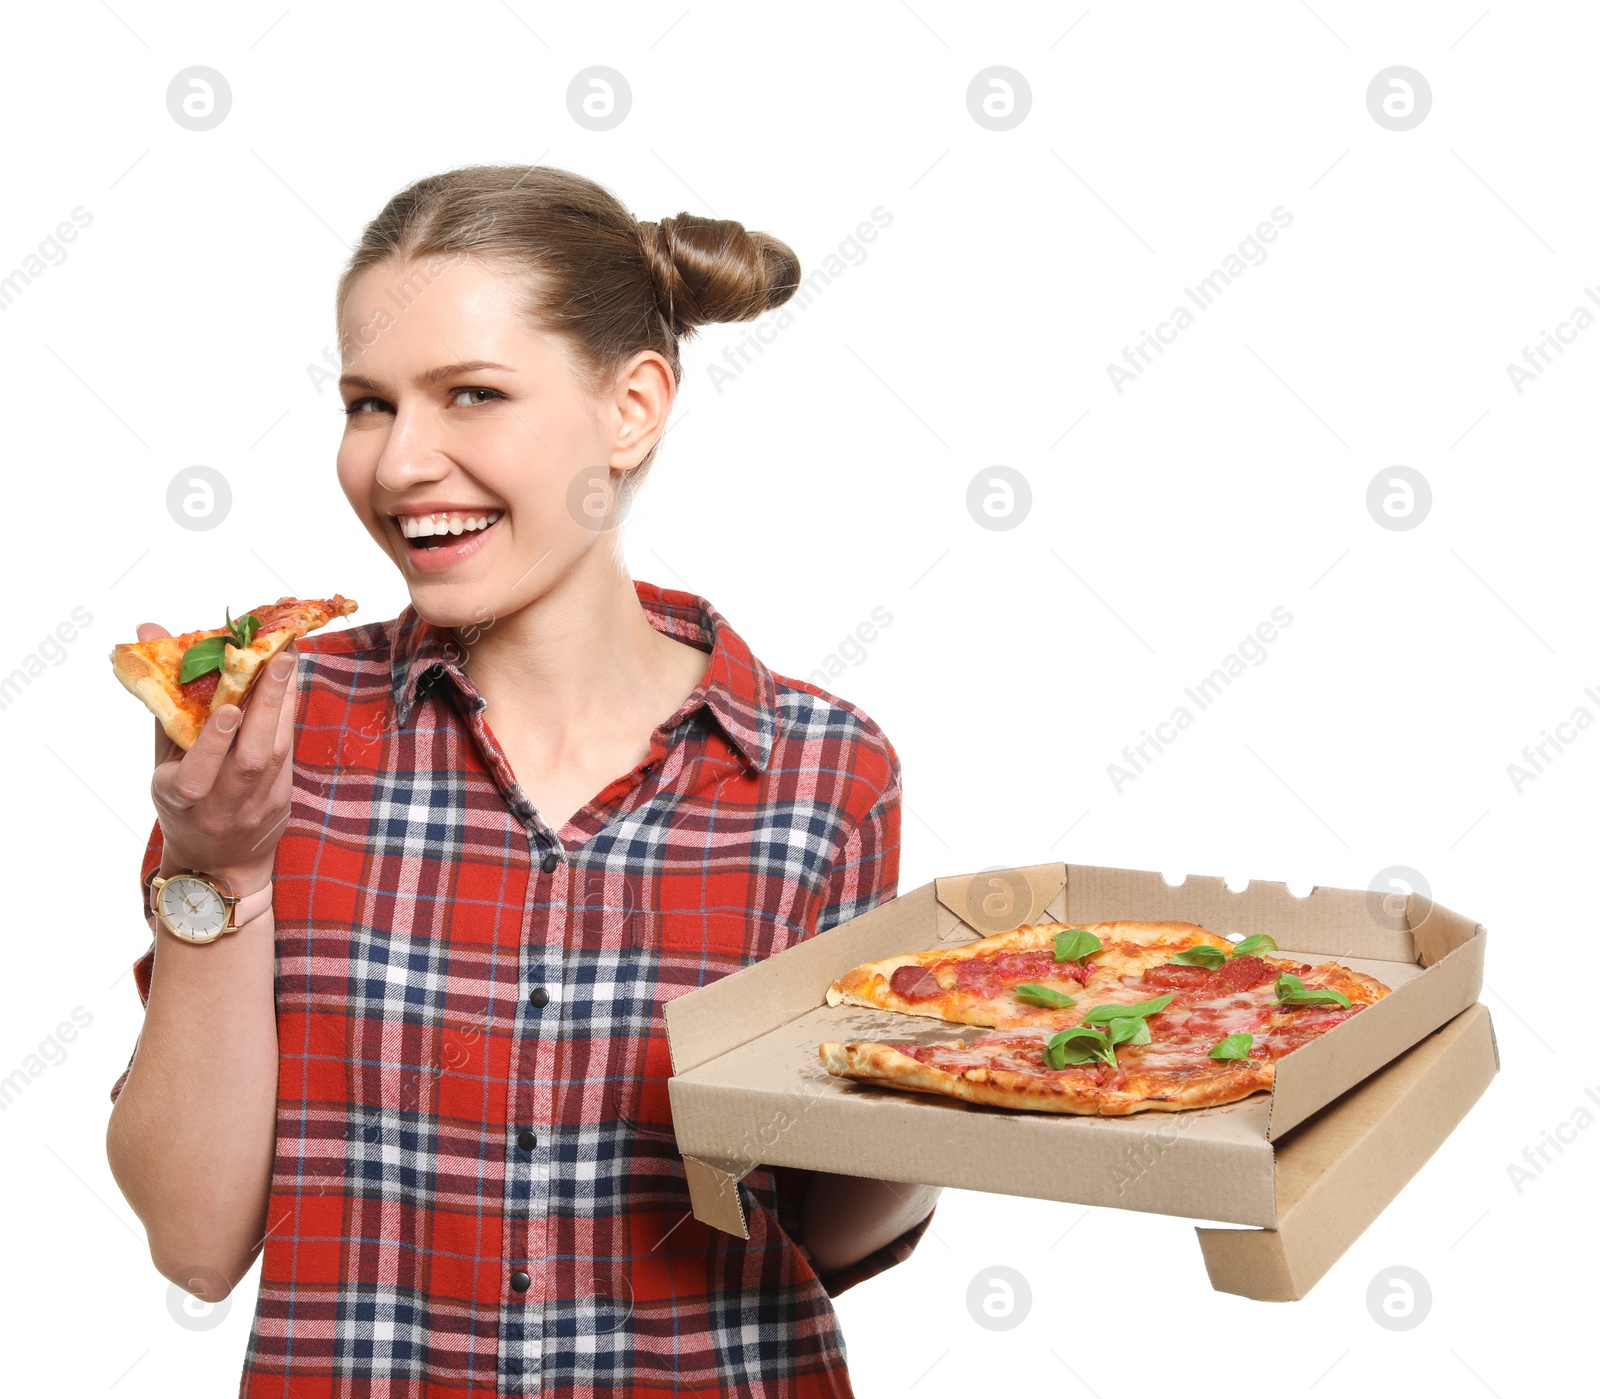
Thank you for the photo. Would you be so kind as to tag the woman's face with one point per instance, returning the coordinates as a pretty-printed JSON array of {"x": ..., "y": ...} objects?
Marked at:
[{"x": 471, "y": 452}]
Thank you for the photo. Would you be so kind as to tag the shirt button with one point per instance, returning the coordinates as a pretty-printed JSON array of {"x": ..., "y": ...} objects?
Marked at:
[
  {"x": 520, "y": 1281},
  {"x": 526, "y": 1140},
  {"x": 550, "y": 863},
  {"x": 539, "y": 997}
]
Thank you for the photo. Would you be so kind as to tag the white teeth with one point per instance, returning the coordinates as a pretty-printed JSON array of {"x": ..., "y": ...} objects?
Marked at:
[{"x": 424, "y": 526}]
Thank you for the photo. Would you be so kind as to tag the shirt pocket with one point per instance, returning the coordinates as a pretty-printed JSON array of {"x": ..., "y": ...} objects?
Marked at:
[{"x": 673, "y": 954}]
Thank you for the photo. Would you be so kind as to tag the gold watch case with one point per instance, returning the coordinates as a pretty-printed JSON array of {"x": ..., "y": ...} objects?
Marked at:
[{"x": 199, "y": 921}]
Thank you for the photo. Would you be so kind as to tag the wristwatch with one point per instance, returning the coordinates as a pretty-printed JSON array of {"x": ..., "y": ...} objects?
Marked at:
[{"x": 202, "y": 907}]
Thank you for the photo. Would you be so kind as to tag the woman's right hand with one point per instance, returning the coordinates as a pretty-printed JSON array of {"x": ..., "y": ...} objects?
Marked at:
[{"x": 224, "y": 804}]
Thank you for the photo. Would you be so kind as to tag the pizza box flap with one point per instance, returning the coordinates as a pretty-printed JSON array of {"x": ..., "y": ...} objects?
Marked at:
[
  {"x": 996, "y": 901},
  {"x": 1338, "y": 923},
  {"x": 714, "y": 1194},
  {"x": 1341, "y": 1168}
]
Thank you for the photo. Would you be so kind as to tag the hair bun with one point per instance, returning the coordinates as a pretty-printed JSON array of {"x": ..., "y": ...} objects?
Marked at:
[{"x": 711, "y": 270}]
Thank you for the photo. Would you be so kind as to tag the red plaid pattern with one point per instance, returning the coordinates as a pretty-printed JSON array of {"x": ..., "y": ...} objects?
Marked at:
[{"x": 473, "y": 1063}]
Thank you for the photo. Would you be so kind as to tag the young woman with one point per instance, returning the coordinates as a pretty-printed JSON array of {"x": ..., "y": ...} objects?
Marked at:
[{"x": 500, "y": 831}]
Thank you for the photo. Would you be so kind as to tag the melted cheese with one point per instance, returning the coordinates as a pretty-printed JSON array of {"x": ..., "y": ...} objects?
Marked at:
[{"x": 1197, "y": 1026}]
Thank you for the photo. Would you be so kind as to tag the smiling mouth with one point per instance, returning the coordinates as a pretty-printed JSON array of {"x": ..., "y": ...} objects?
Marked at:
[{"x": 425, "y": 534}]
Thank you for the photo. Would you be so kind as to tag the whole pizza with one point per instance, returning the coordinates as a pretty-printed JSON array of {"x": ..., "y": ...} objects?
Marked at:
[{"x": 1103, "y": 1018}]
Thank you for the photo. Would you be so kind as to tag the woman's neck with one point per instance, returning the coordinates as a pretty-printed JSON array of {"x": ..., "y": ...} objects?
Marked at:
[{"x": 579, "y": 662}]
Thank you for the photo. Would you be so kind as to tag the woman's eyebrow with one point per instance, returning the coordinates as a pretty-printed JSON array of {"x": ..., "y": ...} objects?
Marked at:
[{"x": 428, "y": 377}]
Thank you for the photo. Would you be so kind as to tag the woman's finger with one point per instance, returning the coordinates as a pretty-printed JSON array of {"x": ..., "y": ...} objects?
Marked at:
[
  {"x": 283, "y": 739},
  {"x": 183, "y": 783},
  {"x": 253, "y": 753}
]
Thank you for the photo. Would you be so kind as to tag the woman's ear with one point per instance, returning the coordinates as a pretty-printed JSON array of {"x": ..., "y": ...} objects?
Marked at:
[{"x": 642, "y": 402}]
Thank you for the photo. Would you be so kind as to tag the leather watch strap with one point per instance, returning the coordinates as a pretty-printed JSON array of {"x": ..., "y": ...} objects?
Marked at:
[{"x": 252, "y": 905}]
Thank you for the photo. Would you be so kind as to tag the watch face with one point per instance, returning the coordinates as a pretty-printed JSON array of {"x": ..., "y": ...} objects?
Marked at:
[{"x": 193, "y": 909}]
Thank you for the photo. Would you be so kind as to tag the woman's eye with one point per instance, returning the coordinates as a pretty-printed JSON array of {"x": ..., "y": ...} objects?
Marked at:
[{"x": 364, "y": 406}]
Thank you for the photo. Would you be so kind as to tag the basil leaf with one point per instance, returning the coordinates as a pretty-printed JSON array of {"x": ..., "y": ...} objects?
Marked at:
[
  {"x": 1201, "y": 955},
  {"x": 1074, "y": 944},
  {"x": 1318, "y": 996},
  {"x": 1035, "y": 994},
  {"x": 1233, "y": 1046},
  {"x": 1256, "y": 942},
  {"x": 1129, "y": 1031},
  {"x": 1079, "y": 1045},
  {"x": 242, "y": 632},
  {"x": 1098, "y": 1015},
  {"x": 1086, "y": 1033},
  {"x": 1291, "y": 991},
  {"x": 201, "y": 658}
]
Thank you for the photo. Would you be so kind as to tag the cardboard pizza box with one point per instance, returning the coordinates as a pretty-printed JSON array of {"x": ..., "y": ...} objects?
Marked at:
[{"x": 1309, "y": 1165}]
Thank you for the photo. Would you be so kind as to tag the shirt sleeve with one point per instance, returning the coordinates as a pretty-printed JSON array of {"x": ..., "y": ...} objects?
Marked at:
[
  {"x": 866, "y": 874},
  {"x": 143, "y": 967},
  {"x": 895, "y": 1251}
]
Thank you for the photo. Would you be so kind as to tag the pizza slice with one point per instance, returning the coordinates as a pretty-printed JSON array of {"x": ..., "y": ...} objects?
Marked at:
[
  {"x": 1029, "y": 976},
  {"x": 1005, "y": 1069},
  {"x": 182, "y": 679},
  {"x": 1010, "y": 1069}
]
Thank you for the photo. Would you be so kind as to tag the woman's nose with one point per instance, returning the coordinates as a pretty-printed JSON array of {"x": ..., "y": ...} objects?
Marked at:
[{"x": 413, "y": 453}]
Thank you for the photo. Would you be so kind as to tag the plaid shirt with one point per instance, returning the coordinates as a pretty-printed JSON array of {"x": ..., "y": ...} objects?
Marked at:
[{"x": 476, "y": 1189}]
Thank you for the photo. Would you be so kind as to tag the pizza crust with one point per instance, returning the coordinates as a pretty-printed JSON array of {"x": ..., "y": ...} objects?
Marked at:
[
  {"x": 241, "y": 666},
  {"x": 882, "y": 1063},
  {"x": 147, "y": 679},
  {"x": 1229, "y": 1082}
]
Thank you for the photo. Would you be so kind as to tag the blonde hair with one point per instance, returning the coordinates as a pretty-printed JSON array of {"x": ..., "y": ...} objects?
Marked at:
[{"x": 610, "y": 284}]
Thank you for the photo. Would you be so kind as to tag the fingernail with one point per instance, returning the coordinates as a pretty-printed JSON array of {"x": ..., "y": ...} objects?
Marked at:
[
  {"x": 227, "y": 719},
  {"x": 281, "y": 666}
]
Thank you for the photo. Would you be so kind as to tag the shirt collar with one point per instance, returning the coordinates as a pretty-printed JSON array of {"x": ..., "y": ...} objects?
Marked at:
[{"x": 737, "y": 689}]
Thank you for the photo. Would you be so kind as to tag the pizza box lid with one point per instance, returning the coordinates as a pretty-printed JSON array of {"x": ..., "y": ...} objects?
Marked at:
[{"x": 748, "y": 1088}]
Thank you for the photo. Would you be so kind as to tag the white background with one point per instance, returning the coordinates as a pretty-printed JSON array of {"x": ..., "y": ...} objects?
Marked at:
[{"x": 831, "y": 477}]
